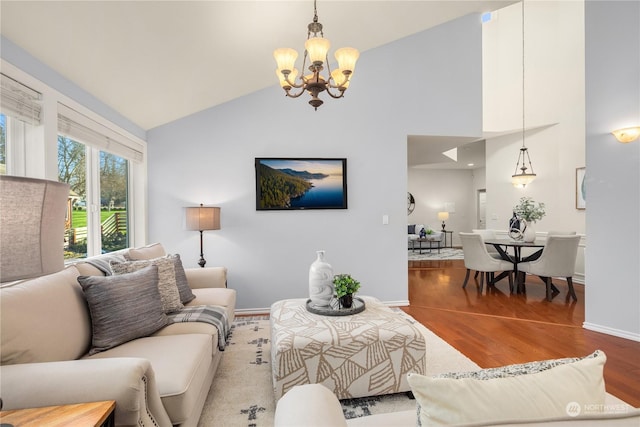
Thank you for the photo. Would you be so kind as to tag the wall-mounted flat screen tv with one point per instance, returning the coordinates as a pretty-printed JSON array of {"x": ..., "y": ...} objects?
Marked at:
[{"x": 301, "y": 183}]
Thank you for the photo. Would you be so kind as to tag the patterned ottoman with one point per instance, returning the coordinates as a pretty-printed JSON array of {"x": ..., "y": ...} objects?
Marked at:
[{"x": 364, "y": 354}]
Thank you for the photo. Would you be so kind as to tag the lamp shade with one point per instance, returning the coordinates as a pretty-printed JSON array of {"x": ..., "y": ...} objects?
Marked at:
[
  {"x": 627, "y": 134},
  {"x": 283, "y": 81},
  {"x": 443, "y": 216},
  {"x": 32, "y": 222},
  {"x": 317, "y": 48},
  {"x": 347, "y": 57},
  {"x": 521, "y": 180},
  {"x": 203, "y": 218},
  {"x": 285, "y": 58}
]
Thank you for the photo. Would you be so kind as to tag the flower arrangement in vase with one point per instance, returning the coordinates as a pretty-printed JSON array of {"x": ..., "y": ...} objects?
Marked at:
[
  {"x": 345, "y": 286},
  {"x": 529, "y": 212}
]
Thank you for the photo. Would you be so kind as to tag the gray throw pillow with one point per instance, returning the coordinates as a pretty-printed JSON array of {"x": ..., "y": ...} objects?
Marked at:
[
  {"x": 184, "y": 290},
  {"x": 123, "y": 307},
  {"x": 166, "y": 279}
]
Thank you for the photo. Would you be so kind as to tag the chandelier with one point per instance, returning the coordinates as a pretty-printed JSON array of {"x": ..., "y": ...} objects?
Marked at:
[
  {"x": 316, "y": 49},
  {"x": 523, "y": 178}
]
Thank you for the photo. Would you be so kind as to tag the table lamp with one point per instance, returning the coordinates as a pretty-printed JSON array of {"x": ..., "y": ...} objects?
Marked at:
[
  {"x": 203, "y": 218},
  {"x": 443, "y": 216}
]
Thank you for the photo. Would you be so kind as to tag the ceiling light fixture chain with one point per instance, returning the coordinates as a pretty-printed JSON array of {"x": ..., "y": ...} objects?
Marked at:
[
  {"x": 317, "y": 50},
  {"x": 523, "y": 178}
]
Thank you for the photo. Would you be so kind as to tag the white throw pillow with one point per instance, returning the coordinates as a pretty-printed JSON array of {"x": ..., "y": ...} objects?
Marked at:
[{"x": 548, "y": 394}]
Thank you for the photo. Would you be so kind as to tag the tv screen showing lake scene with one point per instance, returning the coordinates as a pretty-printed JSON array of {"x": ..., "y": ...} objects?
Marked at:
[{"x": 299, "y": 183}]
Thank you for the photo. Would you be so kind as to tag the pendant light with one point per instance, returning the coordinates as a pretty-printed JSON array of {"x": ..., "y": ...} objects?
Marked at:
[{"x": 524, "y": 177}]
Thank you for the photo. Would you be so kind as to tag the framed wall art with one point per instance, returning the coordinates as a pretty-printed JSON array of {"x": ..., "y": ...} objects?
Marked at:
[
  {"x": 301, "y": 183},
  {"x": 581, "y": 192}
]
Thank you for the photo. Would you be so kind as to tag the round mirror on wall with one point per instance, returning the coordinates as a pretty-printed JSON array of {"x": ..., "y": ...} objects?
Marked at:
[{"x": 411, "y": 203}]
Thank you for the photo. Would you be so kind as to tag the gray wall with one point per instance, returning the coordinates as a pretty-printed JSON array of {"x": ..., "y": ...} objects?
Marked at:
[
  {"x": 613, "y": 175},
  {"x": 433, "y": 188},
  {"x": 209, "y": 158}
]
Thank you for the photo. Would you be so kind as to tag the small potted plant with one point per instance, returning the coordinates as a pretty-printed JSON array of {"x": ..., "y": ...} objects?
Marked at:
[
  {"x": 528, "y": 211},
  {"x": 345, "y": 286}
]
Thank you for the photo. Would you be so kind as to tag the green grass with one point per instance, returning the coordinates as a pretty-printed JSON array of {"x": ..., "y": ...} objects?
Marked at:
[{"x": 79, "y": 218}]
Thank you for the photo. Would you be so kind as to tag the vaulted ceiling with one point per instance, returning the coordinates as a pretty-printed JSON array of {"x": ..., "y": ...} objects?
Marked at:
[{"x": 158, "y": 61}]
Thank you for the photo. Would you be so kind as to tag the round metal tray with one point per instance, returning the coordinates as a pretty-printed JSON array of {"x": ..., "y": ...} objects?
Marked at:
[{"x": 334, "y": 309}]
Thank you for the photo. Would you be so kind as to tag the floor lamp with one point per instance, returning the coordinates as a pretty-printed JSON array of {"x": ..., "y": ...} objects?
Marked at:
[{"x": 203, "y": 218}]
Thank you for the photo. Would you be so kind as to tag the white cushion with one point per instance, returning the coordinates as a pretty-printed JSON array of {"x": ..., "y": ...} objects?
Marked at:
[{"x": 542, "y": 395}]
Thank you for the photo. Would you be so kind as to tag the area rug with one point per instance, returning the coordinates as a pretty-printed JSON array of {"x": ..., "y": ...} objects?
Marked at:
[
  {"x": 242, "y": 394},
  {"x": 426, "y": 255}
]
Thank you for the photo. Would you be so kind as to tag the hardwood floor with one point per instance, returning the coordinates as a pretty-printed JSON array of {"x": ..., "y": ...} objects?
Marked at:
[{"x": 497, "y": 328}]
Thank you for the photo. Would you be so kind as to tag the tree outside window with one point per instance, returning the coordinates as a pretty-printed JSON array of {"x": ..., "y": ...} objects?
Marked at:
[{"x": 72, "y": 169}]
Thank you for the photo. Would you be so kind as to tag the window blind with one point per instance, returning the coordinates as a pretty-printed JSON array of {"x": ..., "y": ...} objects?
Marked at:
[
  {"x": 77, "y": 126},
  {"x": 19, "y": 101}
]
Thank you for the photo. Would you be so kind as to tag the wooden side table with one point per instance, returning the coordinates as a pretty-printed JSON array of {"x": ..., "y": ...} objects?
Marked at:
[{"x": 96, "y": 414}]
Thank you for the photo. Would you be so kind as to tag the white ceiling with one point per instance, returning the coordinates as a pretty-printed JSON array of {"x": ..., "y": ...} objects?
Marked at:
[{"x": 158, "y": 61}]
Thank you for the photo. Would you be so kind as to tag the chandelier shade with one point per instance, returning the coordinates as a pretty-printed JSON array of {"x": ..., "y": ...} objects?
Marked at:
[
  {"x": 285, "y": 58},
  {"x": 316, "y": 51},
  {"x": 347, "y": 57}
]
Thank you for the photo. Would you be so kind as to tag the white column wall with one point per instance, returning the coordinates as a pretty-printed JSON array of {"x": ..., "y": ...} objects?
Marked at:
[
  {"x": 613, "y": 177},
  {"x": 553, "y": 111}
]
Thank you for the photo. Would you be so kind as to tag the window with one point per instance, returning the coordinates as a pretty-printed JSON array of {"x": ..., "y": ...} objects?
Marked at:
[
  {"x": 104, "y": 164},
  {"x": 72, "y": 169},
  {"x": 100, "y": 198},
  {"x": 21, "y": 115},
  {"x": 113, "y": 201}
]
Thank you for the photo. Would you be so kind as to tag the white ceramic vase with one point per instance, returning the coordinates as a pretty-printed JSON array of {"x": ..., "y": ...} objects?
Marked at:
[
  {"x": 529, "y": 233},
  {"x": 320, "y": 281}
]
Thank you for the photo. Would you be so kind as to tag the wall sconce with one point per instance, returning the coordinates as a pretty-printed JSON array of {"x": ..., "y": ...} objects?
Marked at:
[
  {"x": 626, "y": 135},
  {"x": 443, "y": 216},
  {"x": 203, "y": 218}
]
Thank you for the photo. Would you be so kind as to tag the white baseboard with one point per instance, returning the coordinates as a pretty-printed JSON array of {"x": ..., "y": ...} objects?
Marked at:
[{"x": 611, "y": 331}]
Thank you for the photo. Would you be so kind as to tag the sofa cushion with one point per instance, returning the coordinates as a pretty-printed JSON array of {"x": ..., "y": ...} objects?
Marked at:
[
  {"x": 517, "y": 369},
  {"x": 154, "y": 250},
  {"x": 184, "y": 290},
  {"x": 166, "y": 279},
  {"x": 123, "y": 307},
  {"x": 546, "y": 394},
  {"x": 224, "y": 297},
  {"x": 182, "y": 365},
  {"x": 294, "y": 407},
  {"x": 44, "y": 319}
]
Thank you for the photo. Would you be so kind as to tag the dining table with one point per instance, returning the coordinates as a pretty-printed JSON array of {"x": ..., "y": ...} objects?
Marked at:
[{"x": 503, "y": 245}]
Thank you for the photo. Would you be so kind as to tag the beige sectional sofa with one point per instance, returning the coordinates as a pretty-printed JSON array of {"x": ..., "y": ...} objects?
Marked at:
[{"x": 49, "y": 357}]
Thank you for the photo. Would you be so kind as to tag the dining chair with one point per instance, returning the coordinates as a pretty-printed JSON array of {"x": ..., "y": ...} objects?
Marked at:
[
  {"x": 560, "y": 233},
  {"x": 488, "y": 235},
  {"x": 558, "y": 259},
  {"x": 476, "y": 257}
]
